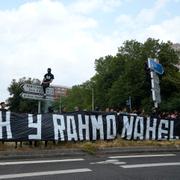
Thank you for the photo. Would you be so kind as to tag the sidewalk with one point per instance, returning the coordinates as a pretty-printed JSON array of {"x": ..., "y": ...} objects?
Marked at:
[{"x": 56, "y": 153}]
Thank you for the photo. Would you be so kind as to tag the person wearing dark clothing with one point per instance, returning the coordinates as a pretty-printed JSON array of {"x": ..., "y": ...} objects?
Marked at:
[
  {"x": 48, "y": 78},
  {"x": 50, "y": 109}
]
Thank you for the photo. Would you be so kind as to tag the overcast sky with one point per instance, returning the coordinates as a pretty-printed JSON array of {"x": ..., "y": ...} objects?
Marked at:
[{"x": 68, "y": 35}]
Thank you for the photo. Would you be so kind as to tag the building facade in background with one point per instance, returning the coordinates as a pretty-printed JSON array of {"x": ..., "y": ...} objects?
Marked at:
[
  {"x": 176, "y": 47},
  {"x": 60, "y": 91}
]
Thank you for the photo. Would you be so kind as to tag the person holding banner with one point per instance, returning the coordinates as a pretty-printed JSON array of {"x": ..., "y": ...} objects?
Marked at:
[{"x": 48, "y": 78}]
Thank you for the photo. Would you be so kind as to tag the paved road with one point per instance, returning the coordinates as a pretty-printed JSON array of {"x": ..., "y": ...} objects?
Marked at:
[{"x": 157, "y": 166}]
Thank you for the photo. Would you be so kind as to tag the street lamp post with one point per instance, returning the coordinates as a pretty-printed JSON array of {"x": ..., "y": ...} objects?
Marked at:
[
  {"x": 60, "y": 104},
  {"x": 92, "y": 100}
]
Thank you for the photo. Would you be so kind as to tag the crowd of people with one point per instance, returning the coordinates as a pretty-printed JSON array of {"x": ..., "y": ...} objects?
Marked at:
[{"x": 155, "y": 112}]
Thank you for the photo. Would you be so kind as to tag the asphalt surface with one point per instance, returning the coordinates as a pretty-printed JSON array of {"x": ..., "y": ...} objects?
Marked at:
[{"x": 119, "y": 166}]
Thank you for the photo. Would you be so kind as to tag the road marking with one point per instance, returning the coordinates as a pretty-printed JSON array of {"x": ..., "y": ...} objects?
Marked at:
[
  {"x": 111, "y": 161},
  {"x": 119, "y": 163},
  {"x": 141, "y": 156},
  {"x": 151, "y": 165},
  {"x": 45, "y": 173},
  {"x": 105, "y": 162},
  {"x": 39, "y": 162}
]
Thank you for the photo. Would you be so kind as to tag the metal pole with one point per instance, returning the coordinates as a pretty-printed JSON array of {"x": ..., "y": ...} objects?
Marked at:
[
  {"x": 39, "y": 107},
  {"x": 92, "y": 99},
  {"x": 60, "y": 104},
  {"x": 130, "y": 105},
  {"x": 155, "y": 104}
]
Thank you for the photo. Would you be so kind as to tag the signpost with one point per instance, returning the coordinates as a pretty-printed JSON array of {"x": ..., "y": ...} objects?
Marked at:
[
  {"x": 37, "y": 97},
  {"x": 37, "y": 89},
  {"x": 34, "y": 91},
  {"x": 156, "y": 69},
  {"x": 155, "y": 66},
  {"x": 156, "y": 96}
]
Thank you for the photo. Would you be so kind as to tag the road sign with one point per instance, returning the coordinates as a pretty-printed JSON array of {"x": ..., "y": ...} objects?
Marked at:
[
  {"x": 37, "y": 89},
  {"x": 35, "y": 92},
  {"x": 155, "y": 77},
  {"x": 156, "y": 96},
  {"x": 37, "y": 97},
  {"x": 155, "y": 66},
  {"x": 155, "y": 81}
]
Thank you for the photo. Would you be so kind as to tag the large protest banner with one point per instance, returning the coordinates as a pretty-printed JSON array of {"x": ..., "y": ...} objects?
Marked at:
[{"x": 85, "y": 126}]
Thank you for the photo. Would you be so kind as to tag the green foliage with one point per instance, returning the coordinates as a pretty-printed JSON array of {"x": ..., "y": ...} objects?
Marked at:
[
  {"x": 79, "y": 96},
  {"x": 123, "y": 75},
  {"x": 16, "y": 102},
  {"x": 89, "y": 147},
  {"x": 172, "y": 103}
]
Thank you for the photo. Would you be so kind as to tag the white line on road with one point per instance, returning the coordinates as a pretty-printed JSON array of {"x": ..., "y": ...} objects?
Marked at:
[
  {"x": 142, "y": 156},
  {"x": 46, "y": 173},
  {"x": 151, "y": 165},
  {"x": 113, "y": 161},
  {"x": 38, "y": 162},
  {"x": 118, "y": 163}
]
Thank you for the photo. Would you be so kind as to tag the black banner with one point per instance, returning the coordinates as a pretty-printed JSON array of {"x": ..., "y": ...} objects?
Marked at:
[{"x": 85, "y": 126}]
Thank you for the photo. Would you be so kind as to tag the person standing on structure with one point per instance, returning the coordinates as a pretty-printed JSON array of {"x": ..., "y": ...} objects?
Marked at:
[{"x": 48, "y": 78}]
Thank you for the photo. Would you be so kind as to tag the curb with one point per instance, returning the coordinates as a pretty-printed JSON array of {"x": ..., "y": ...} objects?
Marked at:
[
  {"x": 149, "y": 149},
  {"x": 57, "y": 153}
]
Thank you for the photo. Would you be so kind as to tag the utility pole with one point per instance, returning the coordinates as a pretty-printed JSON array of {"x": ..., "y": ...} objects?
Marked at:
[
  {"x": 130, "y": 105},
  {"x": 92, "y": 100},
  {"x": 60, "y": 104},
  {"x": 39, "y": 107}
]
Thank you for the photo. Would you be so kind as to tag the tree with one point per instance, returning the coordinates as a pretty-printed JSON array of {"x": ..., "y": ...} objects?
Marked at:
[
  {"x": 126, "y": 74},
  {"x": 16, "y": 102},
  {"x": 108, "y": 70},
  {"x": 78, "y": 96}
]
